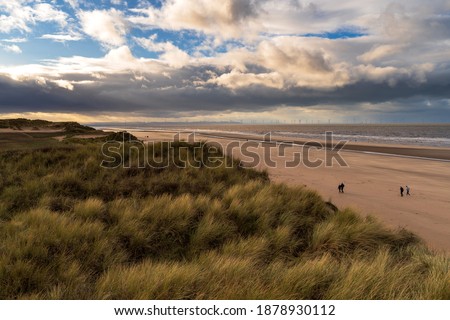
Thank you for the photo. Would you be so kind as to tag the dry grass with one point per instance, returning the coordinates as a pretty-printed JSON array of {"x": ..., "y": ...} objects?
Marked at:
[{"x": 71, "y": 230}]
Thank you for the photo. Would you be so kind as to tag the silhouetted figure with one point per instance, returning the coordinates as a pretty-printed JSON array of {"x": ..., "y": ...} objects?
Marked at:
[
  {"x": 342, "y": 187},
  {"x": 408, "y": 189},
  {"x": 401, "y": 191}
]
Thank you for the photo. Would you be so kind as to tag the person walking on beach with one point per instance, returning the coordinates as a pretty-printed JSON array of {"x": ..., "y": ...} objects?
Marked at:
[
  {"x": 408, "y": 189},
  {"x": 342, "y": 187},
  {"x": 401, "y": 191}
]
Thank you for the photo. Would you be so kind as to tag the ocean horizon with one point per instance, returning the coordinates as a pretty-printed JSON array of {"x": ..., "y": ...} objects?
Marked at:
[{"x": 429, "y": 135}]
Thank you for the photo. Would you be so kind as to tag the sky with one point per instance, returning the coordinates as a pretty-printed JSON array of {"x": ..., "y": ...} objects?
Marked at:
[{"x": 227, "y": 60}]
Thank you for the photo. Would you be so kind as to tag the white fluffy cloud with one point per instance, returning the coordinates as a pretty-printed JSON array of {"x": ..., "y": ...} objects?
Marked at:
[
  {"x": 106, "y": 26},
  {"x": 22, "y": 14},
  {"x": 379, "y": 52},
  {"x": 295, "y": 62},
  {"x": 15, "y": 40},
  {"x": 62, "y": 37},
  {"x": 74, "y": 3},
  {"x": 237, "y": 80},
  {"x": 225, "y": 18},
  {"x": 11, "y": 48},
  {"x": 45, "y": 12},
  {"x": 247, "y": 18},
  {"x": 170, "y": 53}
]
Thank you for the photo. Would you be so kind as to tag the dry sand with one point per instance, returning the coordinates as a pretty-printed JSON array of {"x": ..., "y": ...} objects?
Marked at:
[{"x": 372, "y": 185}]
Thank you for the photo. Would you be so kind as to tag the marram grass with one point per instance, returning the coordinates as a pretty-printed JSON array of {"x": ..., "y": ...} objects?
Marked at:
[{"x": 72, "y": 230}]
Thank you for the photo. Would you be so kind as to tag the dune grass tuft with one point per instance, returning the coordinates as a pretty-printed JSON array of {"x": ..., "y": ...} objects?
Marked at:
[{"x": 70, "y": 229}]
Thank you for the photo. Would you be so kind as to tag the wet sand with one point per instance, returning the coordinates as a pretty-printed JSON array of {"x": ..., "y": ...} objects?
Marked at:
[{"x": 399, "y": 150}]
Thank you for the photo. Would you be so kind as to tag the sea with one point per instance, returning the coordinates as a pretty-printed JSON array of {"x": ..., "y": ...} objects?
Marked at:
[{"x": 431, "y": 135}]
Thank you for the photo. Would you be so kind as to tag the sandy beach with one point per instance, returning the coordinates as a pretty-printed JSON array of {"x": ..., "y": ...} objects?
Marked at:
[{"x": 372, "y": 182}]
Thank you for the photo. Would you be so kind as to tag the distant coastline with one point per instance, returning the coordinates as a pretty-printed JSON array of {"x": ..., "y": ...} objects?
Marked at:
[
  {"x": 418, "y": 135},
  {"x": 408, "y": 151}
]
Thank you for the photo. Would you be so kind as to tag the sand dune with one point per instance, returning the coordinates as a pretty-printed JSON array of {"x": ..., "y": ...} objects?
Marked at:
[
  {"x": 31, "y": 130},
  {"x": 372, "y": 185}
]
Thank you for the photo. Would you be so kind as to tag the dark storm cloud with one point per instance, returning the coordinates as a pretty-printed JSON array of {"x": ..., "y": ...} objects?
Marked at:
[
  {"x": 256, "y": 59},
  {"x": 162, "y": 96}
]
